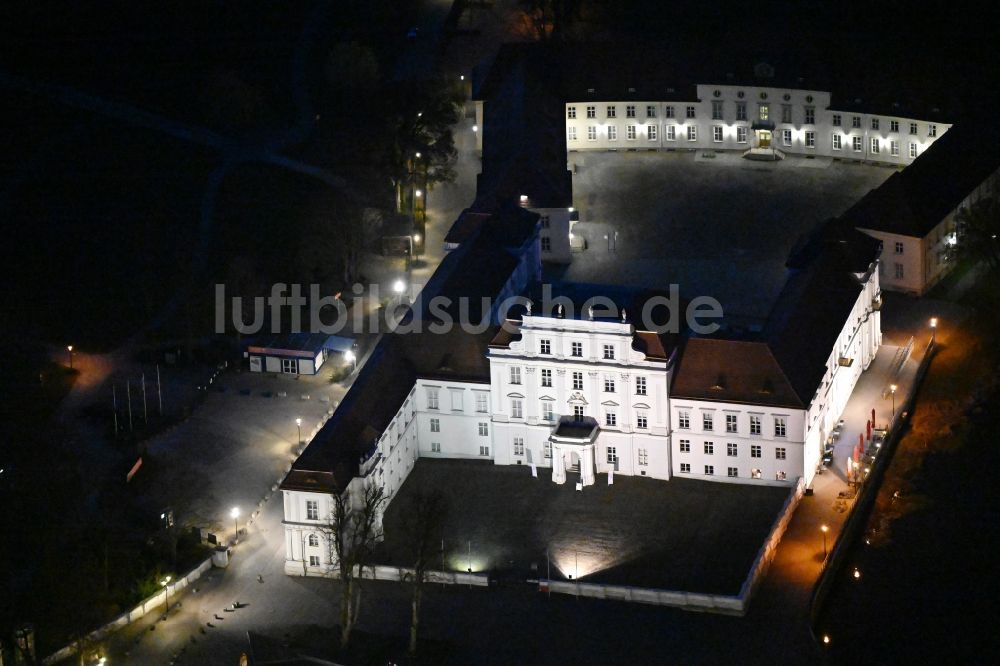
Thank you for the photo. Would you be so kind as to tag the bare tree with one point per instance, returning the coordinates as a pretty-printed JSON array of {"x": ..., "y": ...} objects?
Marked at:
[
  {"x": 426, "y": 513},
  {"x": 353, "y": 531}
]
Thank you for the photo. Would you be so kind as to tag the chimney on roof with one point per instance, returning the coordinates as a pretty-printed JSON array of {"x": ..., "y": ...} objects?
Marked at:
[
  {"x": 767, "y": 388},
  {"x": 720, "y": 383}
]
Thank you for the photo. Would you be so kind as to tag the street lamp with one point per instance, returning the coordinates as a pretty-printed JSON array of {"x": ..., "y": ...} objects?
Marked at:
[
  {"x": 417, "y": 155},
  {"x": 399, "y": 287},
  {"x": 349, "y": 356},
  {"x": 69, "y": 348},
  {"x": 298, "y": 424},
  {"x": 235, "y": 513},
  {"x": 418, "y": 193},
  {"x": 824, "y": 529},
  {"x": 165, "y": 583},
  {"x": 933, "y": 327},
  {"x": 892, "y": 389}
]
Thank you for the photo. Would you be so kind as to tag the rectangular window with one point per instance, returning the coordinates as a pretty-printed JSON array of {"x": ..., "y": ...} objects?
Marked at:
[
  {"x": 571, "y": 112},
  {"x": 836, "y": 142},
  {"x": 484, "y": 450},
  {"x": 651, "y": 132},
  {"x": 685, "y": 446},
  {"x": 754, "y": 425},
  {"x": 755, "y": 473},
  {"x": 612, "y": 111},
  {"x": 836, "y": 120},
  {"x": 856, "y": 121},
  {"x": 899, "y": 271},
  {"x": 668, "y": 112},
  {"x": 545, "y": 243},
  {"x": 779, "y": 453},
  {"x": 484, "y": 429},
  {"x": 515, "y": 374},
  {"x": 875, "y": 123},
  {"x": 435, "y": 447},
  {"x": 786, "y": 137},
  {"x": 786, "y": 113},
  {"x": 435, "y": 425},
  {"x": 810, "y": 139},
  {"x": 692, "y": 133},
  {"x": 899, "y": 247},
  {"x": 650, "y": 111},
  {"x": 716, "y": 110},
  {"x": 591, "y": 111},
  {"x": 671, "y": 132},
  {"x": 456, "y": 400},
  {"x": 630, "y": 132},
  {"x": 741, "y": 110},
  {"x": 641, "y": 419},
  {"x": 856, "y": 143},
  {"x": 707, "y": 421},
  {"x": 643, "y": 457},
  {"x": 547, "y": 449},
  {"x": 913, "y": 151},
  {"x": 875, "y": 146},
  {"x": 913, "y": 128},
  {"x": 571, "y": 134},
  {"x": 577, "y": 381},
  {"x": 546, "y": 222},
  {"x": 685, "y": 468},
  {"x": 609, "y": 352},
  {"x": 732, "y": 472},
  {"x": 780, "y": 426},
  {"x": 612, "y": 133},
  {"x": 612, "y": 455},
  {"x": 709, "y": 448},
  {"x": 717, "y": 134},
  {"x": 709, "y": 470},
  {"x": 546, "y": 378},
  {"x": 640, "y": 386},
  {"x": 482, "y": 402},
  {"x": 576, "y": 349},
  {"x": 591, "y": 132},
  {"x": 312, "y": 510},
  {"x": 763, "y": 111},
  {"x": 518, "y": 446},
  {"x": 516, "y": 408},
  {"x": 689, "y": 112},
  {"x": 432, "y": 398},
  {"x": 630, "y": 110},
  {"x": 577, "y": 412},
  {"x": 289, "y": 366},
  {"x": 609, "y": 384},
  {"x": 732, "y": 450},
  {"x": 610, "y": 418},
  {"x": 544, "y": 346},
  {"x": 314, "y": 560},
  {"x": 893, "y": 125},
  {"x": 547, "y": 410},
  {"x": 741, "y": 134},
  {"x": 683, "y": 420},
  {"x": 894, "y": 148},
  {"x": 731, "y": 422},
  {"x": 932, "y": 131},
  {"x": 755, "y": 450}
]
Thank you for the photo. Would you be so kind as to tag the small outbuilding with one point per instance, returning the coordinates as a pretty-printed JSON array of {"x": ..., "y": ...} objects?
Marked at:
[{"x": 295, "y": 353}]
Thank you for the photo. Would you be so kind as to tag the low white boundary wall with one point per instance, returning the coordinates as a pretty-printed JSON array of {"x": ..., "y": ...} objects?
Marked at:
[
  {"x": 692, "y": 601},
  {"x": 150, "y": 605},
  {"x": 383, "y": 572}
]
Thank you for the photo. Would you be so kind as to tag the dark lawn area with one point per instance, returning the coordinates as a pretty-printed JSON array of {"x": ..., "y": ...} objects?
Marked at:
[{"x": 677, "y": 535}]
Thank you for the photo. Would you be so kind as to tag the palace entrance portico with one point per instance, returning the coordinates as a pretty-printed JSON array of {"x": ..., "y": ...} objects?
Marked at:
[
  {"x": 573, "y": 443},
  {"x": 762, "y": 146}
]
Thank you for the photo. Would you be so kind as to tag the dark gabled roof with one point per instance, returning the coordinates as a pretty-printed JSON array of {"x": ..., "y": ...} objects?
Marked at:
[
  {"x": 467, "y": 226},
  {"x": 733, "y": 371},
  {"x": 914, "y": 201},
  {"x": 576, "y": 428}
]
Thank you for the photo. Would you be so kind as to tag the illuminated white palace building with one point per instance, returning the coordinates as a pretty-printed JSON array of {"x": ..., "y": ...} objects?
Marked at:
[{"x": 574, "y": 397}]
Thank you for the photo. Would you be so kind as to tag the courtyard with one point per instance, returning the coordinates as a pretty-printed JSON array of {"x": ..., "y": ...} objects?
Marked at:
[
  {"x": 719, "y": 226},
  {"x": 677, "y": 535}
]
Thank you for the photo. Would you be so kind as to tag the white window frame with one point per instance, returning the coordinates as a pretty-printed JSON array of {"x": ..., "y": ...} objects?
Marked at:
[
  {"x": 640, "y": 385},
  {"x": 516, "y": 408},
  {"x": 571, "y": 133},
  {"x": 546, "y": 378},
  {"x": 671, "y": 132},
  {"x": 484, "y": 429},
  {"x": 515, "y": 374},
  {"x": 435, "y": 425},
  {"x": 786, "y": 137},
  {"x": 810, "y": 139},
  {"x": 651, "y": 132},
  {"x": 312, "y": 510},
  {"x": 612, "y": 132},
  {"x": 717, "y": 133},
  {"x": 692, "y": 132},
  {"x": 837, "y": 141},
  {"x": 591, "y": 132},
  {"x": 741, "y": 134},
  {"x": 571, "y": 112},
  {"x": 482, "y": 402},
  {"x": 433, "y": 398}
]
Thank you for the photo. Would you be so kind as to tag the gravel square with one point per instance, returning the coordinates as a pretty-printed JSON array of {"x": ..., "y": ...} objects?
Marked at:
[{"x": 683, "y": 535}]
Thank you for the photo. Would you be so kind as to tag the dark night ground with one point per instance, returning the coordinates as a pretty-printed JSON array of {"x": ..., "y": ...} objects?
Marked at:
[{"x": 680, "y": 535}]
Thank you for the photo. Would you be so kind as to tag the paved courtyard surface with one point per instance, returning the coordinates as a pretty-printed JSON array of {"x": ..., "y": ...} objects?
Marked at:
[
  {"x": 234, "y": 447},
  {"x": 720, "y": 227},
  {"x": 678, "y": 535}
]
